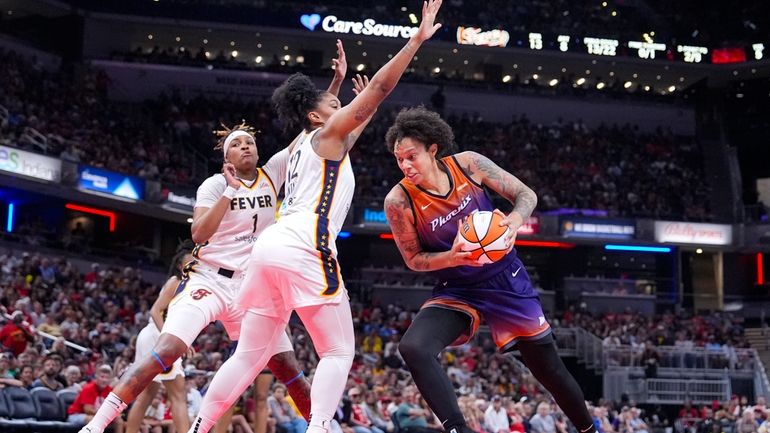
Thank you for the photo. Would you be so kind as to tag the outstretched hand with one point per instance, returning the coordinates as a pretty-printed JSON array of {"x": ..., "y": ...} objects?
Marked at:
[
  {"x": 428, "y": 27},
  {"x": 340, "y": 63},
  {"x": 359, "y": 83}
]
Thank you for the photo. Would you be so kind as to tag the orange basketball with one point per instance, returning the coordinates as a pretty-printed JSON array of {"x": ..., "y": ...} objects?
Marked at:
[{"x": 482, "y": 235}]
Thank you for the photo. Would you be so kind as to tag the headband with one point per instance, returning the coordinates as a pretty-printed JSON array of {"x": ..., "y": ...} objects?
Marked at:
[{"x": 232, "y": 136}]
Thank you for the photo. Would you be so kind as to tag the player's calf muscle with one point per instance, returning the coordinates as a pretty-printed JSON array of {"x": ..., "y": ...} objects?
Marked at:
[{"x": 284, "y": 366}]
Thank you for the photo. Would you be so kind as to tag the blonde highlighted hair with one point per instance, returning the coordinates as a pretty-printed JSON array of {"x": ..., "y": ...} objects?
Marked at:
[{"x": 222, "y": 134}]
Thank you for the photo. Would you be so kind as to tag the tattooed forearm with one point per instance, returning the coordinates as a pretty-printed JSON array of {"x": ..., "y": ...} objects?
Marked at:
[
  {"x": 507, "y": 185},
  {"x": 525, "y": 203}
]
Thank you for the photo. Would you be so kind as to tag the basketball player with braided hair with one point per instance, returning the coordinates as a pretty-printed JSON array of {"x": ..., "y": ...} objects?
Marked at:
[
  {"x": 293, "y": 266},
  {"x": 231, "y": 210},
  {"x": 425, "y": 210},
  {"x": 173, "y": 381}
]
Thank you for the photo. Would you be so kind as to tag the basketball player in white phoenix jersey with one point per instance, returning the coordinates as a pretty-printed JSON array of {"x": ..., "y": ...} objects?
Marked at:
[{"x": 293, "y": 265}]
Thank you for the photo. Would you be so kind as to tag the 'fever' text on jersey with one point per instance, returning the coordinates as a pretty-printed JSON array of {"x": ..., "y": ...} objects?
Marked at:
[{"x": 241, "y": 203}]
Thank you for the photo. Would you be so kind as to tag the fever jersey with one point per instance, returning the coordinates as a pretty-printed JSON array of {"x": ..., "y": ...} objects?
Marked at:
[
  {"x": 319, "y": 186},
  {"x": 436, "y": 217},
  {"x": 251, "y": 209}
]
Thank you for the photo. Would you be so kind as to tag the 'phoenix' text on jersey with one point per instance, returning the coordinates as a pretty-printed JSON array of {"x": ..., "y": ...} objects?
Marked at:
[{"x": 440, "y": 221}]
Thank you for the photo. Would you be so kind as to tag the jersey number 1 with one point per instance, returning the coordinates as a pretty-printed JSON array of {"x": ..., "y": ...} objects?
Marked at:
[{"x": 255, "y": 218}]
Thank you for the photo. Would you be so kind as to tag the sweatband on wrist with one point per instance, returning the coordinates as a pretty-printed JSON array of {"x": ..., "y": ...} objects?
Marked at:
[{"x": 229, "y": 192}]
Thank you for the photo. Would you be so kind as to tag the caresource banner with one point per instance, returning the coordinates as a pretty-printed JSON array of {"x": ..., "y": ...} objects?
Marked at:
[
  {"x": 367, "y": 26},
  {"x": 100, "y": 180},
  {"x": 30, "y": 164},
  {"x": 693, "y": 233}
]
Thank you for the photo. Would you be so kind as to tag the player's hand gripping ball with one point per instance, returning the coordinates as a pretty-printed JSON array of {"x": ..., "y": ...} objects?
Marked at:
[{"x": 482, "y": 236}]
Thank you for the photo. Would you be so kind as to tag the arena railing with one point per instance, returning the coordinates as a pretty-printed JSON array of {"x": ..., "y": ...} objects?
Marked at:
[
  {"x": 736, "y": 360},
  {"x": 583, "y": 345}
]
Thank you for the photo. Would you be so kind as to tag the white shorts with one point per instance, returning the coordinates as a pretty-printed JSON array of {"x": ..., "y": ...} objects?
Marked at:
[
  {"x": 206, "y": 297},
  {"x": 145, "y": 341},
  {"x": 287, "y": 269}
]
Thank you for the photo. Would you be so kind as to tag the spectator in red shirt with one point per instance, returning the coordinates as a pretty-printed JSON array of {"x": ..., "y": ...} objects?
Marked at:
[
  {"x": 91, "y": 397},
  {"x": 688, "y": 414},
  {"x": 15, "y": 335}
]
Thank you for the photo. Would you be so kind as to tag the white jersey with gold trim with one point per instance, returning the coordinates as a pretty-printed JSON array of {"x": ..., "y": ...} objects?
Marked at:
[
  {"x": 315, "y": 185},
  {"x": 251, "y": 210},
  {"x": 294, "y": 262}
]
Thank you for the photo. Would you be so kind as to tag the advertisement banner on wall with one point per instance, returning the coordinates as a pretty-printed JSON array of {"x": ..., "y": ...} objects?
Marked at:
[
  {"x": 531, "y": 226},
  {"x": 601, "y": 229},
  {"x": 367, "y": 26},
  {"x": 109, "y": 182},
  {"x": 375, "y": 218},
  {"x": 29, "y": 164},
  {"x": 693, "y": 233},
  {"x": 177, "y": 198}
]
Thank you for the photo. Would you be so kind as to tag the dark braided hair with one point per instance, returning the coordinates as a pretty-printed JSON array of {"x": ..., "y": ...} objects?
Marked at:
[
  {"x": 422, "y": 125},
  {"x": 294, "y": 99},
  {"x": 185, "y": 247}
]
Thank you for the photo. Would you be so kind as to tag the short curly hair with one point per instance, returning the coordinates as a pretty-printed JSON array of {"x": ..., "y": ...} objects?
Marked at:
[
  {"x": 294, "y": 99},
  {"x": 422, "y": 125}
]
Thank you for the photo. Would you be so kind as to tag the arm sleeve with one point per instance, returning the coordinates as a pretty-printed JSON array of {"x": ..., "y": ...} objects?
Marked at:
[
  {"x": 275, "y": 168},
  {"x": 210, "y": 191}
]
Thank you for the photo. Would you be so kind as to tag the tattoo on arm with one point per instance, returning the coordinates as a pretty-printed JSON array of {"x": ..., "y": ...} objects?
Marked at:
[
  {"x": 363, "y": 113},
  {"x": 405, "y": 234},
  {"x": 507, "y": 185}
]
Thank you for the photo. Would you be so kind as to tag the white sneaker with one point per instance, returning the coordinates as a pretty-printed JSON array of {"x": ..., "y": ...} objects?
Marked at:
[
  {"x": 325, "y": 427},
  {"x": 90, "y": 429}
]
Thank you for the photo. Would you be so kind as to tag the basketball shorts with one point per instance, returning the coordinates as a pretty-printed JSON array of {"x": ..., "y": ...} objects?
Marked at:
[
  {"x": 293, "y": 264},
  {"x": 145, "y": 341},
  {"x": 507, "y": 302},
  {"x": 205, "y": 298}
]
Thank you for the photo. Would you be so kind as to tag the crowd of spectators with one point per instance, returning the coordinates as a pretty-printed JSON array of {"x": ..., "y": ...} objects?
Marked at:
[
  {"x": 66, "y": 113},
  {"x": 566, "y": 86},
  {"x": 103, "y": 309},
  {"x": 617, "y": 169}
]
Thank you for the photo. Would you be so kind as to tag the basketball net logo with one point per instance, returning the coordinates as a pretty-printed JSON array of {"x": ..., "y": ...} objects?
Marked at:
[{"x": 199, "y": 294}]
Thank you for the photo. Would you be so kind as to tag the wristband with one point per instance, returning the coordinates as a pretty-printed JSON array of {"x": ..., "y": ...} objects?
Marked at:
[{"x": 229, "y": 192}]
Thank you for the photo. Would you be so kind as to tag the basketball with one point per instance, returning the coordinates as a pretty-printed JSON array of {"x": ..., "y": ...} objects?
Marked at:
[{"x": 482, "y": 235}]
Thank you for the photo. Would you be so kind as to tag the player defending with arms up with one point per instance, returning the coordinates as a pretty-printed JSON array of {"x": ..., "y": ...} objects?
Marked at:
[
  {"x": 231, "y": 210},
  {"x": 293, "y": 265},
  {"x": 425, "y": 211}
]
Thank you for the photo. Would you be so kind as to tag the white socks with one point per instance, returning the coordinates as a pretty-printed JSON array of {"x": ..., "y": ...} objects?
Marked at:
[{"x": 112, "y": 407}]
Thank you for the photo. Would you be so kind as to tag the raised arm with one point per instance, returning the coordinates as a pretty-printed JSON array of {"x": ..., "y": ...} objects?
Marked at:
[
  {"x": 211, "y": 208},
  {"x": 401, "y": 220},
  {"x": 330, "y": 141},
  {"x": 484, "y": 171},
  {"x": 340, "y": 69}
]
